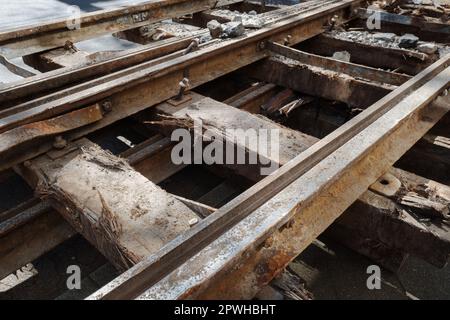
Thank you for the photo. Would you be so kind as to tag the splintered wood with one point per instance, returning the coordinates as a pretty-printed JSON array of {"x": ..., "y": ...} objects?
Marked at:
[{"x": 123, "y": 214}]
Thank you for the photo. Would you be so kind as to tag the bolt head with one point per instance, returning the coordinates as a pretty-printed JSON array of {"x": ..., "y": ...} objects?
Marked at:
[
  {"x": 107, "y": 106},
  {"x": 59, "y": 143}
]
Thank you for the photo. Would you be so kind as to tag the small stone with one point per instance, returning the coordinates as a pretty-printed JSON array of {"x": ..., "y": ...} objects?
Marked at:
[
  {"x": 428, "y": 48},
  {"x": 342, "y": 56},
  {"x": 237, "y": 18},
  {"x": 253, "y": 23},
  {"x": 443, "y": 52},
  {"x": 408, "y": 41},
  {"x": 388, "y": 37},
  {"x": 233, "y": 29},
  {"x": 215, "y": 28},
  {"x": 252, "y": 13}
]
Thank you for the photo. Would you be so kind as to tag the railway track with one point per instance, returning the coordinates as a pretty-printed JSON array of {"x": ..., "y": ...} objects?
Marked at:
[{"x": 361, "y": 149}]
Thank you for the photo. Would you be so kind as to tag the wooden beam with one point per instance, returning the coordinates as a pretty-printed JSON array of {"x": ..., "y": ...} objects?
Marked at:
[
  {"x": 398, "y": 225},
  {"x": 219, "y": 116},
  {"x": 152, "y": 159},
  {"x": 253, "y": 98},
  {"x": 46, "y": 228},
  {"x": 377, "y": 215},
  {"x": 429, "y": 157},
  {"x": 319, "y": 82},
  {"x": 351, "y": 69},
  {"x": 401, "y": 60},
  {"x": 119, "y": 211},
  {"x": 400, "y": 24}
]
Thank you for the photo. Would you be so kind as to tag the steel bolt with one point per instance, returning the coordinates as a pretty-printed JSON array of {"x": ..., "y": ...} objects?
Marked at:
[
  {"x": 59, "y": 143},
  {"x": 287, "y": 40},
  {"x": 262, "y": 45},
  {"x": 184, "y": 84},
  {"x": 107, "y": 106},
  {"x": 144, "y": 30}
]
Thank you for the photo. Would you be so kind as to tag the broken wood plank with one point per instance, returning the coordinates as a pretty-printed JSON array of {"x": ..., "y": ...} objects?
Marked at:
[
  {"x": 152, "y": 159},
  {"x": 351, "y": 69},
  {"x": 49, "y": 229},
  {"x": 123, "y": 214},
  {"x": 377, "y": 214},
  {"x": 238, "y": 128},
  {"x": 430, "y": 158},
  {"x": 31, "y": 240},
  {"x": 401, "y": 60}
]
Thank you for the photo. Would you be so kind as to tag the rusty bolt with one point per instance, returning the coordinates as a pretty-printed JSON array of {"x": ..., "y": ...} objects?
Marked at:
[
  {"x": 268, "y": 242},
  {"x": 143, "y": 30},
  {"x": 69, "y": 46},
  {"x": 107, "y": 106},
  {"x": 59, "y": 143},
  {"x": 287, "y": 40},
  {"x": 262, "y": 45},
  {"x": 184, "y": 85}
]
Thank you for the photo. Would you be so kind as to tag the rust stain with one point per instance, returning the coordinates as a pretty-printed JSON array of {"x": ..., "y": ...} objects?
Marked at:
[{"x": 270, "y": 268}]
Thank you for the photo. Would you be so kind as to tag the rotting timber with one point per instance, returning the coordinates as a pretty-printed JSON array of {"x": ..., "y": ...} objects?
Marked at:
[{"x": 341, "y": 181}]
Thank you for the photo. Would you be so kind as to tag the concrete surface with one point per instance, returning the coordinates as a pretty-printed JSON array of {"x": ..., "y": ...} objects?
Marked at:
[{"x": 25, "y": 12}]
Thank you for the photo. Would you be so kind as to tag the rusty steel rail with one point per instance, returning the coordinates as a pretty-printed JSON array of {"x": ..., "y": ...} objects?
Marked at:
[
  {"x": 137, "y": 88},
  {"x": 428, "y": 84},
  {"x": 22, "y": 41},
  {"x": 45, "y": 82},
  {"x": 268, "y": 225},
  {"x": 42, "y": 83}
]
